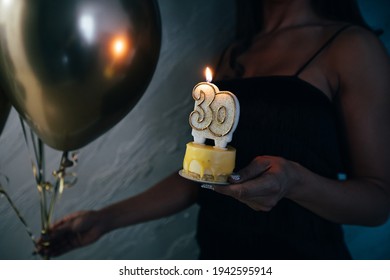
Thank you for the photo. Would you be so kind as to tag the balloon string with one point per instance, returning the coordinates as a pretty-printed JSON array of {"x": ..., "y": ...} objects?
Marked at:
[
  {"x": 37, "y": 162},
  {"x": 60, "y": 183},
  {"x": 17, "y": 212},
  {"x": 36, "y": 172},
  {"x": 48, "y": 193},
  {"x": 35, "y": 145}
]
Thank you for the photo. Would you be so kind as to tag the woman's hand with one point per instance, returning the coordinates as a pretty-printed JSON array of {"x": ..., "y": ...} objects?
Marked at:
[
  {"x": 76, "y": 230},
  {"x": 263, "y": 182},
  {"x": 167, "y": 197}
]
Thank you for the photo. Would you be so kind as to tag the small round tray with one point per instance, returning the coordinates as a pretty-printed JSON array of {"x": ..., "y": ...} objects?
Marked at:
[{"x": 184, "y": 175}]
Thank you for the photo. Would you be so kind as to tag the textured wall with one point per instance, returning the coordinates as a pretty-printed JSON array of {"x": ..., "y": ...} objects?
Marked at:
[
  {"x": 143, "y": 148},
  {"x": 146, "y": 146}
]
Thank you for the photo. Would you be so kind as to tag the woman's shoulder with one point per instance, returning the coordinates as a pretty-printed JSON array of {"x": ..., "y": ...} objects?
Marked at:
[
  {"x": 357, "y": 48},
  {"x": 356, "y": 41},
  {"x": 361, "y": 62}
]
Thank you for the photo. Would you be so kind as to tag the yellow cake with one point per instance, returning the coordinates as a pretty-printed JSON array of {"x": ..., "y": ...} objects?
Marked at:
[{"x": 207, "y": 163}]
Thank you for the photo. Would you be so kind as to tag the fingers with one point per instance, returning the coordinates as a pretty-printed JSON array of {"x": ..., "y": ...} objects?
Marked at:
[
  {"x": 251, "y": 175},
  {"x": 257, "y": 167},
  {"x": 59, "y": 244},
  {"x": 247, "y": 190},
  {"x": 256, "y": 185},
  {"x": 64, "y": 240},
  {"x": 265, "y": 206},
  {"x": 67, "y": 243},
  {"x": 259, "y": 197},
  {"x": 67, "y": 234}
]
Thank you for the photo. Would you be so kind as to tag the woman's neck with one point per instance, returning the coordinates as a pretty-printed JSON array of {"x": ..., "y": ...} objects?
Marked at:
[{"x": 281, "y": 14}]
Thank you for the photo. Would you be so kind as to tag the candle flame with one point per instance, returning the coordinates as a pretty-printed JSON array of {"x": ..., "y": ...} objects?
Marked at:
[{"x": 208, "y": 74}]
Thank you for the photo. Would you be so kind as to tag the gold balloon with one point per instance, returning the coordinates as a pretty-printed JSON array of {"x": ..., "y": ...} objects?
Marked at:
[
  {"x": 75, "y": 68},
  {"x": 5, "y": 107}
]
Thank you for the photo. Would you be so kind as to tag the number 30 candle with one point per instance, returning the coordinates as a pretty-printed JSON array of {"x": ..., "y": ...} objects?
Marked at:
[{"x": 215, "y": 116}]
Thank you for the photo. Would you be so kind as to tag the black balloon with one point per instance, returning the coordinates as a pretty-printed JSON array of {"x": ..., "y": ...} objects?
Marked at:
[{"x": 75, "y": 68}]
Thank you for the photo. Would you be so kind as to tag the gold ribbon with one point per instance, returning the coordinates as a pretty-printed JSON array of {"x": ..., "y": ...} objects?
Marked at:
[{"x": 49, "y": 193}]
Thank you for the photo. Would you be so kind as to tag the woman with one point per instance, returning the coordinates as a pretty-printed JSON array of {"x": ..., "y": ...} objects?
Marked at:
[{"x": 313, "y": 86}]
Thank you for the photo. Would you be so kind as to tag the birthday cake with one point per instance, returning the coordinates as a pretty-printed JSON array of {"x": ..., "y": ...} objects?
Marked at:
[
  {"x": 215, "y": 116},
  {"x": 208, "y": 164}
]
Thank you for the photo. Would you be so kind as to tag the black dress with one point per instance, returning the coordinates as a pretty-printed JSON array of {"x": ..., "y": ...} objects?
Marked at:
[{"x": 287, "y": 117}]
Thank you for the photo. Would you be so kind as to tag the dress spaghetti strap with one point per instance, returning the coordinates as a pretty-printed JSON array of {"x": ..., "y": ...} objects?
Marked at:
[{"x": 324, "y": 46}]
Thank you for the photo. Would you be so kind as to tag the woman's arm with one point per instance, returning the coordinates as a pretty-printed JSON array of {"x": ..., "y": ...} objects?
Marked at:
[
  {"x": 167, "y": 197},
  {"x": 362, "y": 69}
]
